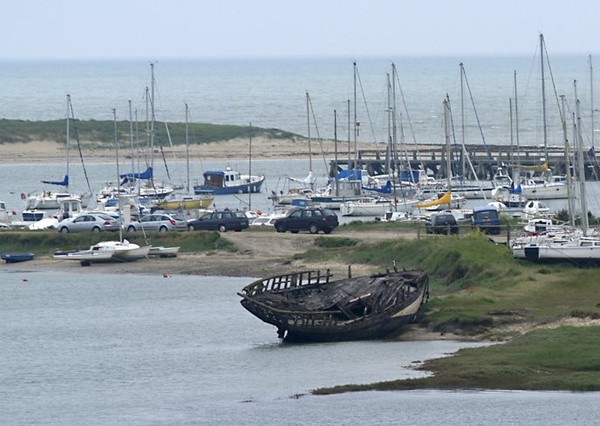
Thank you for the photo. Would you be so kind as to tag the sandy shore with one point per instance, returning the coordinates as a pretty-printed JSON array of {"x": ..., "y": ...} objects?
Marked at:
[{"x": 262, "y": 148}]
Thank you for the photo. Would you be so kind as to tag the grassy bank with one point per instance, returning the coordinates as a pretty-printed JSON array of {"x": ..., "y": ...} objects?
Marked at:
[
  {"x": 479, "y": 291},
  {"x": 43, "y": 243},
  {"x": 99, "y": 133}
]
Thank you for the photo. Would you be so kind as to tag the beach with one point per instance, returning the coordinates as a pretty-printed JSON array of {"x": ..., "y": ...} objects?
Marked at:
[{"x": 260, "y": 148}]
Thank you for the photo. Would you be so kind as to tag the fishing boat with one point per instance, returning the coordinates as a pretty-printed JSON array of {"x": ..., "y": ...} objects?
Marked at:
[
  {"x": 229, "y": 181},
  {"x": 16, "y": 257},
  {"x": 312, "y": 306}
]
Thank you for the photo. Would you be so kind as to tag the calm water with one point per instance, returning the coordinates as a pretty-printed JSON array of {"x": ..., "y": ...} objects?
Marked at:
[
  {"x": 100, "y": 349},
  {"x": 271, "y": 93}
]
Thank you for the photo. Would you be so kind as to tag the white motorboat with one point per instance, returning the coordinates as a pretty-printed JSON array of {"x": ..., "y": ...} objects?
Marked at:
[{"x": 161, "y": 251}]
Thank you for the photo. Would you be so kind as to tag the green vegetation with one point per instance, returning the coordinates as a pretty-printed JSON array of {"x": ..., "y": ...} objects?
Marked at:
[
  {"x": 48, "y": 242},
  {"x": 479, "y": 291},
  {"x": 98, "y": 133}
]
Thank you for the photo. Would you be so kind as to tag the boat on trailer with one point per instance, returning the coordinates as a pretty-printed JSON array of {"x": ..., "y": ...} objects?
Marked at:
[{"x": 312, "y": 306}]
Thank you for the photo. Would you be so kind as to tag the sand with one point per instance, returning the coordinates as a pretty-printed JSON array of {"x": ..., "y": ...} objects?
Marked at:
[{"x": 262, "y": 148}]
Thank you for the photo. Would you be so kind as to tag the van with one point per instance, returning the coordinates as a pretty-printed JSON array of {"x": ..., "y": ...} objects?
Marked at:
[{"x": 486, "y": 219}]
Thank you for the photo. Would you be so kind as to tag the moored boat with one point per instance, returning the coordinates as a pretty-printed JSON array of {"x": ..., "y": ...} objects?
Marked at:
[
  {"x": 229, "y": 181},
  {"x": 16, "y": 257},
  {"x": 312, "y": 306},
  {"x": 161, "y": 251}
]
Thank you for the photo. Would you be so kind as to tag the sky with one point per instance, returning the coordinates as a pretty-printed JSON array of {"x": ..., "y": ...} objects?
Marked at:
[{"x": 154, "y": 29}]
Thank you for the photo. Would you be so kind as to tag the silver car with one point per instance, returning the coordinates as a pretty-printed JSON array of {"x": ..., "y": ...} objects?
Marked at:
[
  {"x": 160, "y": 222},
  {"x": 89, "y": 222}
]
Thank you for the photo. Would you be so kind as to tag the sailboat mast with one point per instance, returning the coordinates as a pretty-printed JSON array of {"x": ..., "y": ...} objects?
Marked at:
[
  {"x": 517, "y": 119},
  {"x": 355, "y": 122},
  {"x": 187, "y": 150},
  {"x": 308, "y": 127},
  {"x": 335, "y": 140},
  {"x": 250, "y": 168},
  {"x": 118, "y": 176},
  {"x": 592, "y": 99},
  {"x": 447, "y": 137},
  {"x": 131, "y": 137},
  {"x": 68, "y": 141},
  {"x": 152, "y": 117},
  {"x": 389, "y": 125},
  {"x": 542, "y": 52},
  {"x": 580, "y": 163}
]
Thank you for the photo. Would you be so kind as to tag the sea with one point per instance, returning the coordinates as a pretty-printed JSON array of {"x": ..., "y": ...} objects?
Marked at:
[{"x": 102, "y": 349}]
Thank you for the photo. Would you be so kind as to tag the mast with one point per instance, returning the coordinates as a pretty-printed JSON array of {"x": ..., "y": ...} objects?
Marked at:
[
  {"x": 542, "y": 51},
  {"x": 152, "y": 116},
  {"x": 118, "y": 177},
  {"x": 517, "y": 119},
  {"x": 187, "y": 150},
  {"x": 389, "y": 125},
  {"x": 567, "y": 162},
  {"x": 131, "y": 138},
  {"x": 68, "y": 141},
  {"x": 335, "y": 140},
  {"x": 592, "y": 99},
  {"x": 580, "y": 164},
  {"x": 250, "y": 168},
  {"x": 355, "y": 123},
  {"x": 447, "y": 137},
  {"x": 310, "y": 168}
]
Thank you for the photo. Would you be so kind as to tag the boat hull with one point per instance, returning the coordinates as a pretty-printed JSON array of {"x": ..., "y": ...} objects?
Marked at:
[
  {"x": 310, "y": 307},
  {"x": 16, "y": 257},
  {"x": 252, "y": 187}
]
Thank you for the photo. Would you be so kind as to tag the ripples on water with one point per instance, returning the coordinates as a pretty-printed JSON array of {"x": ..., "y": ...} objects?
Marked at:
[{"x": 139, "y": 350}]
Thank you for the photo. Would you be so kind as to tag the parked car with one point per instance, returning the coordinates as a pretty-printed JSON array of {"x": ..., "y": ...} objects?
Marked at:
[
  {"x": 311, "y": 219},
  {"x": 89, "y": 222},
  {"x": 442, "y": 223},
  {"x": 486, "y": 219},
  {"x": 158, "y": 222},
  {"x": 221, "y": 221}
]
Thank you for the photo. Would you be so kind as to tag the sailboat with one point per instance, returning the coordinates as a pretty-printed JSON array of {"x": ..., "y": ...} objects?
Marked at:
[
  {"x": 51, "y": 199},
  {"x": 543, "y": 185},
  {"x": 447, "y": 198},
  {"x": 578, "y": 245},
  {"x": 186, "y": 201}
]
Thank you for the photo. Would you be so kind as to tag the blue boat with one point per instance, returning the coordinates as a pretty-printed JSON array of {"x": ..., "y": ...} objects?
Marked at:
[
  {"x": 228, "y": 181},
  {"x": 16, "y": 257}
]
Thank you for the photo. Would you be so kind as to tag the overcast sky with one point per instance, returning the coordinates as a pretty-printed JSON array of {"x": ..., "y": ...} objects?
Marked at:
[{"x": 154, "y": 29}]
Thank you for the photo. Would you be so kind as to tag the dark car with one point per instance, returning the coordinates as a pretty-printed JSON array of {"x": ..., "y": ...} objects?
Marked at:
[
  {"x": 311, "y": 219},
  {"x": 486, "y": 219},
  {"x": 442, "y": 223},
  {"x": 221, "y": 221}
]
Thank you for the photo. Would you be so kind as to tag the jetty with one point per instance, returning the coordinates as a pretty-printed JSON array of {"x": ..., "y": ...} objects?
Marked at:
[{"x": 485, "y": 160}]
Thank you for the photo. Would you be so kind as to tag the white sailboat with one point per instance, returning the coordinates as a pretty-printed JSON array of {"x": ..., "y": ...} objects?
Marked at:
[
  {"x": 578, "y": 245},
  {"x": 51, "y": 199}
]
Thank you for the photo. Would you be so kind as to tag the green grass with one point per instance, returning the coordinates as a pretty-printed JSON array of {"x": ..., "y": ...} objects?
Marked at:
[
  {"x": 544, "y": 359},
  {"x": 48, "y": 242},
  {"x": 101, "y": 133}
]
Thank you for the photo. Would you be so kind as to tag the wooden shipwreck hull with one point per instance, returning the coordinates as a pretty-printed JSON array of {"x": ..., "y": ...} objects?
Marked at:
[{"x": 312, "y": 306}]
